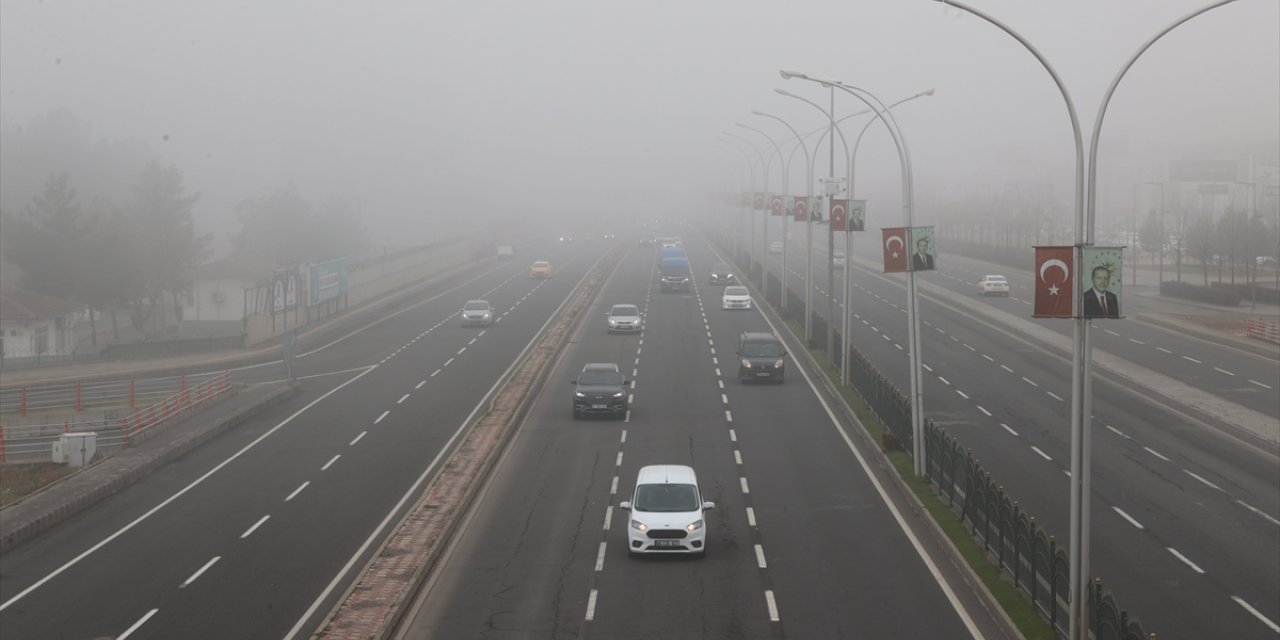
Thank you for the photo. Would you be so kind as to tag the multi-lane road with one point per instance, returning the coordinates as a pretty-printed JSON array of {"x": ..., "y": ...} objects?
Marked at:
[
  {"x": 257, "y": 533},
  {"x": 1184, "y": 518}
]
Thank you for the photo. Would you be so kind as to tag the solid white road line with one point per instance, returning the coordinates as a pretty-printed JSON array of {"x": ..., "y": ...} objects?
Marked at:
[
  {"x": 760, "y": 562},
  {"x": 1155, "y": 453},
  {"x": 1183, "y": 558},
  {"x": 128, "y": 632},
  {"x": 772, "y": 604},
  {"x": 384, "y": 414},
  {"x": 199, "y": 572},
  {"x": 591, "y": 606},
  {"x": 1128, "y": 517},
  {"x": 1202, "y": 480},
  {"x": 248, "y": 532},
  {"x": 1042, "y": 454},
  {"x": 298, "y": 490},
  {"x": 1257, "y": 614},
  {"x": 600, "y": 557},
  {"x": 330, "y": 462}
]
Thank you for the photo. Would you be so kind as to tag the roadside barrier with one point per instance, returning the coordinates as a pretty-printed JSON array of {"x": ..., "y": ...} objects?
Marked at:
[
  {"x": 89, "y": 396},
  {"x": 1263, "y": 329},
  {"x": 33, "y": 442}
]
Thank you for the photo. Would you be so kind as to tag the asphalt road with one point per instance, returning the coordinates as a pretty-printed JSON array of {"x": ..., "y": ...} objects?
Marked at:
[
  {"x": 1184, "y": 519},
  {"x": 257, "y": 532},
  {"x": 800, "y": 544}
]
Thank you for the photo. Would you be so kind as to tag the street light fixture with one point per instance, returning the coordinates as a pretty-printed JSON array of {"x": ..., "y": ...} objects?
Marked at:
[{"x": 764, "y": 280}]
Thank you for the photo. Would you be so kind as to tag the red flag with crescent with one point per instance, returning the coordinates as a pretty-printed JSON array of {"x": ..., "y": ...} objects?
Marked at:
[
  {"x": 895, "y": 249},
  {"x": 777, "y": 204},
  {"x": 839, "y": 214},
  {"x": 800, "y": 209},
  {"x": 759, "y": 202},
  {"x": 1054, "y": 276}
]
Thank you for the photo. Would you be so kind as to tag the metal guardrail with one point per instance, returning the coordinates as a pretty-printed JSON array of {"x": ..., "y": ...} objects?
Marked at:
[
  {"x": 111, "y": 394},
  {"x": 33, "y": 442},
  {"x": 1263, "y": 329}
]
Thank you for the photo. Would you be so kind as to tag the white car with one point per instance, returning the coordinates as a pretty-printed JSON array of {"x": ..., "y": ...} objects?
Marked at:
[
  {"x": 993, "y": 285},
  {"x": 775, "y": 246},
  {"x": 624, "y": 318},
  {"x": 667, "y": 512},
  {"x": 837, "y": 259},
  {"x": 735, "y": 297},
  {"x": 477, "y": 313}
]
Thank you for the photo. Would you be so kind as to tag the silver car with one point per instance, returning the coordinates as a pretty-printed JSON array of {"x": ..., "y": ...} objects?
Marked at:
[
  {"x": 477, "y": 313},
  {"x": 624, "y": 318}
]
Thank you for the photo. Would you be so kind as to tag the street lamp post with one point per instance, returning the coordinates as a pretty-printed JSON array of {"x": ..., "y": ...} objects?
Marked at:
[
  {"x": 808, "y": 195},
  {"x": 764, "y": 234},
  {"x": 1251, "y": 261},
  {"x": 764, "y": 281},
  {"x": 752, "y": 171}
]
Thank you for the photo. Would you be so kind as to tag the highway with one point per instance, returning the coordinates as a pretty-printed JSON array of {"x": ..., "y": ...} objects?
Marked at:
[
  {"x": 1184, "y": 517},
  {"x": 800, "y": 544}
]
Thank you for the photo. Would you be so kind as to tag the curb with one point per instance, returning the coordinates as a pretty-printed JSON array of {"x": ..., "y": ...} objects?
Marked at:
[{"x": 81, "y": 501}]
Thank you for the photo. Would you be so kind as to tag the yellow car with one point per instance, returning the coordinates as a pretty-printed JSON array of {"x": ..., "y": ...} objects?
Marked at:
[{"x": 540, "y": 269}]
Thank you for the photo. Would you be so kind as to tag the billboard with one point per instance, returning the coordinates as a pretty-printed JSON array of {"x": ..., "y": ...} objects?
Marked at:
[{"x": 326, "y": 280}]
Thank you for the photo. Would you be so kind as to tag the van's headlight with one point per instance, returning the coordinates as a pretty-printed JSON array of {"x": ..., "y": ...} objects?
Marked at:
[
  {"x": 639, "y": 526},
  {"x": 694, "y": 526},
  {"x": 746, "y": 364},
  {"x": 612, "y": 322},
  {"x": 620, "y": 394},
  {"x": 579, "y": 394},
  {"x": 777, "y": 363}
]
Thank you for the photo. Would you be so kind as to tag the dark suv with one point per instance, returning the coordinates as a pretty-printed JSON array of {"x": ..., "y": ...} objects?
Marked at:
[
  {"x": 760, "y": 357},
  {"x": 601, "y": 390},
  {"x": 721, "y": 274}
]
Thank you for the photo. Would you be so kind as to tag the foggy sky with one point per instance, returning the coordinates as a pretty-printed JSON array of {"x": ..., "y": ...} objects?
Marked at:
[{"x": 428, "y": 113}]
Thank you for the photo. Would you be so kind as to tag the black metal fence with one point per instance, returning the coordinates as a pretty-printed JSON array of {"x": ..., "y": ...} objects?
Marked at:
[{"x": 1038, "y": 567}]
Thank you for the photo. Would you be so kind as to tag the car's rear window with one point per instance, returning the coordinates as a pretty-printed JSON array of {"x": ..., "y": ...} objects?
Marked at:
[
  {"x": 666, "y": 498},
  {"x": 761, "y": 350}
]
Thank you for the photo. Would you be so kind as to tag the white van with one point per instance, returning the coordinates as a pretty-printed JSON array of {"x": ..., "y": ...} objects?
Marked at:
[{"x": 667, "y": 512}]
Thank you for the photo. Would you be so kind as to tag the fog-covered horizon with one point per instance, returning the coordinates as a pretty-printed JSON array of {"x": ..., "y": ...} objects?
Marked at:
[{"x": 444, "y": 117}]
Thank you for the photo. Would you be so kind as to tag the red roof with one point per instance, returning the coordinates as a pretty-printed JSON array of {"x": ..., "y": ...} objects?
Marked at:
[{"x": 17, "y": 305}]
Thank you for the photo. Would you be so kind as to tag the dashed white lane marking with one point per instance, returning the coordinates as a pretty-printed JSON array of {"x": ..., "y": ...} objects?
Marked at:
[
  {"x": 1164, "y": 350},
  {"x": 1112, "y": 332},
  {"x": 773, "y": 605},
  {"x": 728, "y": 417},
  {"x": 298, "y": 490},
  {"x": 962, "y": 394},
  {"x": 248, "y": 532},
  {"x": 128, "y": 632},
  {"x": 608, "y": 516},
  {"x": 200, "y": 572},
  {"x": 600, "y": 557},
  {"x": 619, "y": 461},
  {"x": 435, "y": 373},
  {"x": 721, "y": 383},
  {"x": 760, "y": 562},
  {"x": 1258, "y": 511},
  {"x": 724, "y": 398},
  {"x": 1247, "y": 607},
  {"x": 419, "y": 386},
  {"x": 983, "y": 410},
  {"x": 1006, "y": 368},
  {"x": 966, "y": 345},
  {"x": 1029, "y": 381},
  {"x": 733, "y": 436},
  {"x": 1191, "y": 359},
  {"x": 402, "y": 399},
  {"x": 1055, "y": 396},
  {"x": 591, "y": 605},
  {"x": 384, "y": 414},
  {"x": 1224, "y": 371},
  {"x": 1185, "y": 560},
  {"x": 482, "y": 333},
  {"x": 1264, "y": 386},
  {"x": 989, "y": 358},
  {"x": 330, "y": 462},
  {"x": 751, "y": 517},
  {"x": 944, "y": 381},
  {"x": 460, "y": 351},
  {"x": 1008, "y": 428},
  {"x": 613, "y": 487},
  {"x": 1206, "y": 482},
  {"x": 1042, "y": 454},
  {"x": 1128, "y": 517},
  {"x": 737, "y": 457},
  {"x": 897, "y": 346},
  {"x": 1116, "y": 431},
  {"x": 1136, "y": 341},
  {"x": 448, "y": 362},
  {"x": 624, "y": 436},
  {"x": 718, "y": 372},
  {"x": 743, "y": 482},
  {"x": 927, "y": 367},
  {"x": 1155, "y": 453},
  {"x": 357, "y": 439}
]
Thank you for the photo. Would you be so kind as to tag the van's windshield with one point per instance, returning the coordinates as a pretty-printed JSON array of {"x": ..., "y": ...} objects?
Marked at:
[
  {"x": 762, "y": 350},
  {"x": 666, "y": 498}
]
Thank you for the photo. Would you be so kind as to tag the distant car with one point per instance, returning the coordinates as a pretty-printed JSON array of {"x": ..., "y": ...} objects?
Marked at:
[
  {"x": 775, "y": 246},
  {"x": 609, "y": 236},
  {"x": 760, "y": 357},
  {"x": 993, "y": 285},
  {"x": 837, "y": 259},
  {"x": 477, "y": 313},
  {"x": 624, "y": 318},
  {"x": 735, "y": 298},
  {"x": 600, "y": 390},
  {"x": 721, "y": 273},
  {"x": 566, "y": 238},
  {"x": 540, "y": 269},
  {"x": 667, "y": 513}
]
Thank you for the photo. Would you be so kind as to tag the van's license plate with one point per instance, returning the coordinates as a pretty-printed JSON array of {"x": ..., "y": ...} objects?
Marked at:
[
  {"x": 599, "y": 406},
  {"x": 666, "y": 543},
  {"x": 761, "y": 374}
]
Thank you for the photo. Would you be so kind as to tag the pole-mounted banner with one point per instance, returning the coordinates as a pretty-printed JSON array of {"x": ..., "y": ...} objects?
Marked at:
[
  {"x": 800, "y": 209},
  {"x": 758, "y": 202},
  {"x": 839, "y": 213},
  {"x": 1054, "y": 277},
  {"x": 857, "y": 217},
  {"x": 777, "y": 204},
  {"x": 1100, "y": 284},
  {"x": 895, "y": 249},
  {"x": 925, "y": 249}
]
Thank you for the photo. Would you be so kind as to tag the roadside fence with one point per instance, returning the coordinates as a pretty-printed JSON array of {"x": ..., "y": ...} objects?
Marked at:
[
  {"x": 34, "y": 442},
  {"x": 87, "y": 396},
  {"x": 1263, "y": 329}
]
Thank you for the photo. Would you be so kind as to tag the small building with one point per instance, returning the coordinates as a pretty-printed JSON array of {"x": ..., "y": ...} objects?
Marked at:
[
  {"x": 33, "y": 325},
  {"x": 215, "y": 306}
]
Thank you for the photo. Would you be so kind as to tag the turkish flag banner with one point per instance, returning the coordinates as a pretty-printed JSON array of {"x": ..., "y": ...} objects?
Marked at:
[
  {"x": 759, "y": 202},
  {"x": 777, "y": 204},
  {"x": 800, "y": 209},
  {"x": 895, "y": 249},
  {"x": 1055, "y": 272},
  {"x": 839, "y": 213}
]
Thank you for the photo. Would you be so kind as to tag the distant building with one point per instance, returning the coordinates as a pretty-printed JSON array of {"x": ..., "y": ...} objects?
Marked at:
[
  {"x": 216, "y": 304},
  {"x": 33, "y": 325}
]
